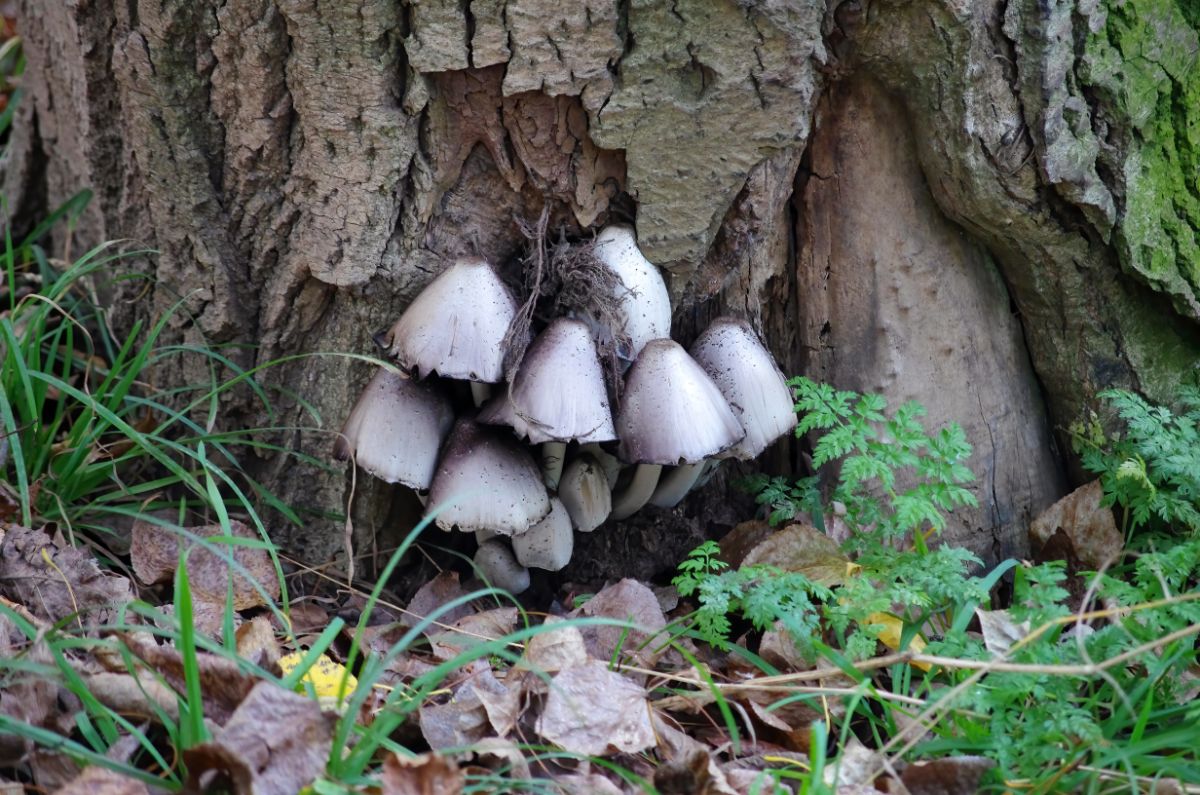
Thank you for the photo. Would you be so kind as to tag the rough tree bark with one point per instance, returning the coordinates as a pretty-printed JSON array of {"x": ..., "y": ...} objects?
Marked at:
[{"x": 991, "y": 206}]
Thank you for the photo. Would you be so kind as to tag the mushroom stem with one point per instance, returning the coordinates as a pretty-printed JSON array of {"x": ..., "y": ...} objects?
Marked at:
[
  {"x": 675, "y": 486},
  {"x": 635, "y": 495},
  {"x": 480, "y": 392},
  {"x": 553, "y": 454}
]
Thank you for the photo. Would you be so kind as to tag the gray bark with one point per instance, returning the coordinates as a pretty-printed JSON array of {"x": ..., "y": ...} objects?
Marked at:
[{"x": 939, "y": 200}]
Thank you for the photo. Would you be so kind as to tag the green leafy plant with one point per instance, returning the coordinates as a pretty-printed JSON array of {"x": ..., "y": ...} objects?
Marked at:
[
  {"x": 894, "y": 479},
  {"x": 1152, "y": 470},
  {"x": 763, "y": 595}
]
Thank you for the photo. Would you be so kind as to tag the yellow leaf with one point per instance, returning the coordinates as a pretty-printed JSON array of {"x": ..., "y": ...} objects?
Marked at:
[
  {"x": 893, "y": 630},
  {"x": 325, "y": 677}
]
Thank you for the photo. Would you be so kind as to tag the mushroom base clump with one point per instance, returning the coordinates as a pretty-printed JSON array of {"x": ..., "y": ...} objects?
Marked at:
[{"x": 676, "y": 413}]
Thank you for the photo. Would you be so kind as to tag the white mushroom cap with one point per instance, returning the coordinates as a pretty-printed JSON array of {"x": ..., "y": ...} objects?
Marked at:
[
  {"x": 671, "y": 411},
  {"x": 645, "y": 304},
  {"x": 748, "y": 377},
  {"x": 585, "y": 493},
  {"x": 456, "y": 326},
  {"x": 500, "y": 411},
  {"x": 496, "y": 563},
  {"x": 487, "y": 480},
  {"x": 559, "y": 388},
  {"x": 549, "y": 543},
  {"x": 395, "y": 429}
]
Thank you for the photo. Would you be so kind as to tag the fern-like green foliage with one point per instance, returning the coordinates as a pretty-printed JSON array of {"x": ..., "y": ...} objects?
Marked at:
[
  {"x": 1153, "y": 469},
  {"x": 895, "y": 477},
  {"x": 763, "y": 595}
]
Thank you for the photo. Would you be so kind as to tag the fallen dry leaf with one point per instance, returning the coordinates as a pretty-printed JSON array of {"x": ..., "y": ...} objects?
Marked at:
[
  {"x": 594, "y": 711},
  {"x": 737, "y": 543},
  {"x": 586, "y": 784},
  {"x": 256, "y": 641},
  {"x": 101, "y": 781},
  {"x": 29, "y": 698},
  {"x": 1091, "y": 528},
  {"x": 954, "y": 775},
  {"x": 463, "y": 719},
  {"x": 999, "y": 629},
  {"x": 223, "y": 683},
  {"x": 692, "y": 774},
  {"x": 472, "y": 630},
  {"x": 441, "y": 590},
  {"x": 155, "y": 556},
  {"x": 426, "y": 774},
  {"x": 55, "y": 580},
  {"x": 276, "y": 743},
  {"x": 627, "y": 600},
  {"x": 142, "y": 697},
  {"x": 804, "y": 549},
  {"x": 552, "y": 650},
  {"x": 502, "y": 753}
]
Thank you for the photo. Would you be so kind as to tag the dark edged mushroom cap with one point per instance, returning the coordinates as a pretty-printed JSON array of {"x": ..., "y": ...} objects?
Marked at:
[
  {"x": 745, "y": 372},
  {"x": 456, "y": 326},
  {"x": 559, "y": 388},
  {"x": 487, "y": 481},
  {"x": 671, "y": 411},
  {"x": 395, "y": 429},
  {"x": 645, "y": 303}
]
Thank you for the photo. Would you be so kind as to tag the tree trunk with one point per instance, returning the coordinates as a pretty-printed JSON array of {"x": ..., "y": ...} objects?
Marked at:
[{"x": 990, "y": 206}]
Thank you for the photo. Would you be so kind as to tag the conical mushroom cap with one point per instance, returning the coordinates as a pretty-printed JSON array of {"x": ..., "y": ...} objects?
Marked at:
[
  {"x": 487, "y": 481},
  {"x": 395, "y": 429},
  {"x": 456, "y": 326},
  {"x": 645, "y": 304},
  {"x": 549, "y": 543},
  {"x": 559, "y": 388},
  {"x": 585, "y": 493},
  {"x": 671, "y": 411},
  {"x": 748, "y": 377},
  {"x": 500, "y": 411}
]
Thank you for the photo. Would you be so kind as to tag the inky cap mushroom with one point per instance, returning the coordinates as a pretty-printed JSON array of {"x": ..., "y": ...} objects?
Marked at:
[
  {"x": 395, "y": 429},
  {"x": 671, "y": 414},
  {"x": 456, "y": 326},
  {"x": 645, "y": 303},
  {"x": 559, "y": 393},
  {"x": 748, "y": 377},
  {"x": 549, "y": 543},
  {"x": 498, "y": 567},
  {"x": 586, "y": 493},
  {"x": 487, "y": 481}
]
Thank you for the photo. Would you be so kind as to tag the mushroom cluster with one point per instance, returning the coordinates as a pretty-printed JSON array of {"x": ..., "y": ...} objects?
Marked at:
[{"x": 551, "y": 450}]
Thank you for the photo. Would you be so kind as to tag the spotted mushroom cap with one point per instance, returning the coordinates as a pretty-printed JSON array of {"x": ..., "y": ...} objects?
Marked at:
[
  {"x": 671, "y": 411},
  {"x": 487, "y": 481},
  {"x": 456, "y": 326},
  {"x": 645, "y": 303},
  {"x": 746, "y": 373},
  {"x": 500, "y": 411},
  {"x": 395, "y": 429},
  {"x": 559, "y": 388}
]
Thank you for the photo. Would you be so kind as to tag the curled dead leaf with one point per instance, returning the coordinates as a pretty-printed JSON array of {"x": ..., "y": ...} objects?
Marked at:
[
  {"x": 275, "y": 743},
  {"x": 593, "y": 711}
]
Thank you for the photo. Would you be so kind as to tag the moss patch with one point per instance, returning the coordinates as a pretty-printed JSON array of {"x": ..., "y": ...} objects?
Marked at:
[{"x": 1143, "y": 63}]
